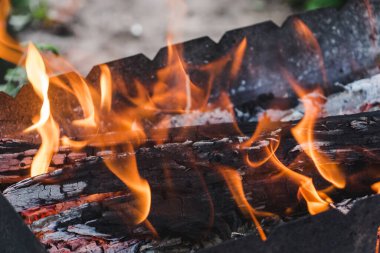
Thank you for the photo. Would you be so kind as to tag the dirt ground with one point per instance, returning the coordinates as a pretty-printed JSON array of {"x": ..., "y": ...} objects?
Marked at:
[{"x": 98, "y": 31}]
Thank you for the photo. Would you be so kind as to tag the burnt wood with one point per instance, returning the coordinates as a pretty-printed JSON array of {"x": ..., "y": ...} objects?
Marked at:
[
  {"x": 331, "y": 231},
  {"x": 196, "y": 199}
]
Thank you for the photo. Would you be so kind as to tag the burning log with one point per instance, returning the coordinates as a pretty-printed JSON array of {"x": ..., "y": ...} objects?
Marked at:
[
  {"x": 16, "y": 157},
  {"x": 189, "y": 195}
]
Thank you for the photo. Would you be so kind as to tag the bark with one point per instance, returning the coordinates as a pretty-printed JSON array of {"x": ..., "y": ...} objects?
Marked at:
[{"x": 84, "y": 198}]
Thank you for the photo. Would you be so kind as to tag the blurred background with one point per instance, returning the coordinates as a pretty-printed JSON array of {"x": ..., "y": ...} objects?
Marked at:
[{"x": 90, "y": 32}]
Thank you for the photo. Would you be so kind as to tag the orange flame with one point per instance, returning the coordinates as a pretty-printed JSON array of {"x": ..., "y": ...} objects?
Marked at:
[
  {"x": 304, "y": 134},
  {"x": 46, "y": 126},
  {"x": 263, "y": 124},
  {"x": 376, "y": 187},
  {"x": 106, "y": 88},
  {"x": 235, "y": 185},
  {"x": 10, "y": 50},
  {"x": 315, "y": 203},
  {"x": 126, "y": 170}
]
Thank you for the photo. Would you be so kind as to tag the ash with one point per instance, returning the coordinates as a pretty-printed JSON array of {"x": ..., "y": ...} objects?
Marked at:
[
  {"x": 359, "y": 96},
  {"x": 198, "y": 118}
]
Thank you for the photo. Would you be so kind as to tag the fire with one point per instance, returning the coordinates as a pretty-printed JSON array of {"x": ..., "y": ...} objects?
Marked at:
[
  {"x": 235, "y": 185},
  {"x": 127, "y": 171},
  {"x": 171, "y": 93},
  {"x": 120, "y": 129},
  {"x": 376, "y": 187},
  {"x": 315, "y": 203},
  {"x": 263, "y": 124},
  {"x": 304, "y": 134},
  {"x": 106, "y": 88},
  {"x": 83, "y": 94},
  {"x": 46, "y": 126},
  {"x": 10, "y": 50}
]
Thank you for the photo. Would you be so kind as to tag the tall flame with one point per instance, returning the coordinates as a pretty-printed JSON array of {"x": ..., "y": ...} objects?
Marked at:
[
  {"x": 106, "y": 88},
  {"x": 46, "y": 126},
  {"x": 233, "y": 180},
  {"x": 10, "y": 50},
  {"x": 304, "y": 134}
]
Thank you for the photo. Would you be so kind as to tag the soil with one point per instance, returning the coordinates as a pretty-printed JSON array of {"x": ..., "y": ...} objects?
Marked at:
[{"x": 90, "y": 32}]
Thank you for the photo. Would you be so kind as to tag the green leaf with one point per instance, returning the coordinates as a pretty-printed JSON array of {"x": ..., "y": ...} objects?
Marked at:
[
  {"x": 47, "y": 48},
  {"x": 15, "y": 79},
  {"x": 316, "y": 4}
]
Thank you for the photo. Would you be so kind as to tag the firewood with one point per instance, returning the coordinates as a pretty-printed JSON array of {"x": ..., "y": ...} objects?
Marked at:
[{"x": 85, "y": 198}]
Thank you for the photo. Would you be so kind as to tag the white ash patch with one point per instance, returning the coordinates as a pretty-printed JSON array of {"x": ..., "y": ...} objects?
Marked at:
[
  {"x": 316, "y": 145},
  {"x": 82, "y": 229},
  {"x": 242, "y": 139},
  {"x": 346, "y": 205},
  {"x": 260, "y": 144},
  {"x": 358, "y": 125},
  {"x": 359, "y": 96},
  {"x": 74, "y": 188},
  {"x": 198, "y": 118},
  {"x": 57, "y": 236}
]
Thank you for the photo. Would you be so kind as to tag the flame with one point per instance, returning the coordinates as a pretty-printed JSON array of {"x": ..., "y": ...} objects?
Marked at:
[
  {"x": 46, "y": 126},
  {"x": 263, "y": 124},
  {"x": 238, "y": 58},
  {"x": 83, "y": 94},
  {"x": 171, "y": 92},
  {"x": 106, "y": 88},
  {"x": 126, "y": 170},
  {"x": 376, "y": 187},
  {"x": 235, "y": 185},
  {"x": 304, "y": 134},
  {"x": 315, "y": 203},
  {"x": 10, "y": 50}
]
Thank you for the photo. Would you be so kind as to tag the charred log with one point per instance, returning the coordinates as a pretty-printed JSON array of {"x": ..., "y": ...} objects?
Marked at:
[{"x": 86, "y": 198}]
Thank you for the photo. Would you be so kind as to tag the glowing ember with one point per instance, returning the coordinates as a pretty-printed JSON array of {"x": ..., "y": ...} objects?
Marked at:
[{"x": 376, "y": 187}]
